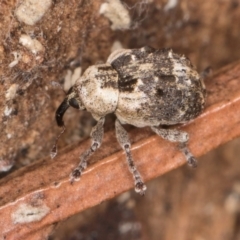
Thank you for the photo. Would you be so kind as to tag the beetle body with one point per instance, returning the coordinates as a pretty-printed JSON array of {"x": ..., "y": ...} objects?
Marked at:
[{"x": 142, "y": 87}]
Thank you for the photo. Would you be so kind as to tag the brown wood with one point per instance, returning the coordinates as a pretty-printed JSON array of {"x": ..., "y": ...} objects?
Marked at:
[{"x": 43, "y": 188}]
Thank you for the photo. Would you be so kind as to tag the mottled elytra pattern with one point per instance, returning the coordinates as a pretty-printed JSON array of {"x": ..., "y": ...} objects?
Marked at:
[
  {"x": 167, "y": 88},
  {"x": 142, "y": 87}
]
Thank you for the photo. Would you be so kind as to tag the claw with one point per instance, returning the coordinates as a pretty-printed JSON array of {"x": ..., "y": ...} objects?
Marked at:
[{"x": 140, "y": 188}]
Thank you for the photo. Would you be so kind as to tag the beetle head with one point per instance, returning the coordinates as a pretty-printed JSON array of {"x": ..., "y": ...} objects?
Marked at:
[{"x": 72, "y": 99}]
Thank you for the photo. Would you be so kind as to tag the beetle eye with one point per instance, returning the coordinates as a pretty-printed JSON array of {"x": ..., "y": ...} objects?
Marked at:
[{"x": 73, "y": 103}]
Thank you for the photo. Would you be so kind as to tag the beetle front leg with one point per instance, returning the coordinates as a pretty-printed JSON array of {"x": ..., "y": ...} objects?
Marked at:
[
  {"x": 123, "y": 140},
  {"x": 174, "y": 135},
  {"x": 97, "y": 136}
]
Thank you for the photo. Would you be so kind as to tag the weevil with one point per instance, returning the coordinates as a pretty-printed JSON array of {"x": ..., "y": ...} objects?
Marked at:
[{"x": 142, "y": 87}]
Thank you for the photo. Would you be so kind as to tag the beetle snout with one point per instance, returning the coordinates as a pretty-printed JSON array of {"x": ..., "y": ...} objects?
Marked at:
[{"x": 60, "y": 112}]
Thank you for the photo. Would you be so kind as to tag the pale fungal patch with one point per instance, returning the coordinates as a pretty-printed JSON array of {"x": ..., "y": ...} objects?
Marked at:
[
  {"x": 71, "y": 77},
  {"x": 124, "y": 197},
  {"x": 232, "y": 202},
  {"x": 116, "y": 13},
  {"x": 59, "y": 27},
  {"x": 31, "y": 11},
  {"x": 127, "y": 227},
  {"x": 17, "y": 57},
  {"x": 9, "y": 135},
  {"x": 11, "y": 92},
  {"x": 31, "y": 44},
  {"x": 27, "y": 213},
  {"x": 7, "y": 111},
  {"x": 5, "y": 165},
  {"x": 170, "y": 5}
]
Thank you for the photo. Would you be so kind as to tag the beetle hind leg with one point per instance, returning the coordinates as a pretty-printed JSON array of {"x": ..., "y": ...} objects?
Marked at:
[
  {"x": 181, "y": 137},
  {"x": 97, "y": 136},
  {"x": 123, "y": 140},
  {"x": 191, "y": 160}
]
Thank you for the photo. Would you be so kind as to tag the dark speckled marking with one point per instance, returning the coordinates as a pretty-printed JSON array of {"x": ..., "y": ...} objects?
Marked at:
[
  {"x": 127, "y": 86},
  {"x": 159, "y": 92},
  {"x": 168, "y": 78}
]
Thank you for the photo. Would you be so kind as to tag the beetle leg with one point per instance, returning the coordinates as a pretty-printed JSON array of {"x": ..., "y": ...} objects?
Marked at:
[
  {"x": 97, "y": 136},
  {"x": 123, "y": 140},
  {"x": 191, "y": 160},
  {"x": 174, "y": 135}
]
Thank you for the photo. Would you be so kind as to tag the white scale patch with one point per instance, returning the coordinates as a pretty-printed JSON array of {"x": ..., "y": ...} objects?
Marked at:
[
  {"x": 129, "y": 102},
  {"x": 134, "y": 100},
  {"x": 181, "y": 71},
  {"x": 146, "y": 67}
]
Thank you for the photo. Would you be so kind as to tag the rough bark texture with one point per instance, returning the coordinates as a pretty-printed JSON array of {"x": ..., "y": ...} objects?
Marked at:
[{"x": 73, "y": 33}]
